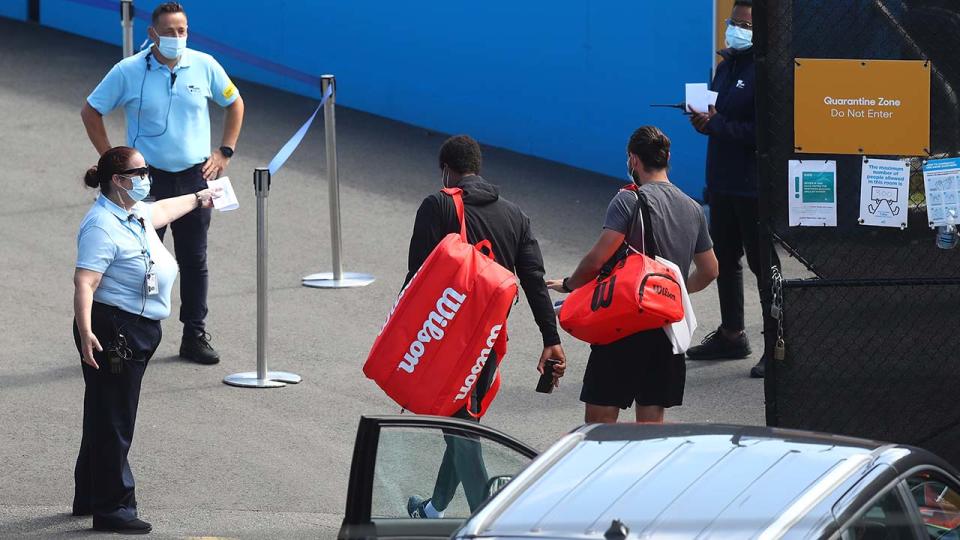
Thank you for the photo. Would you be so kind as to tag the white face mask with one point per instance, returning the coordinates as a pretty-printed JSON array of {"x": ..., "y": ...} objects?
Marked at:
[
  {"x": 739, "y": 38},
  {"x": 172, "y": 47},
  {"x": 140, "y": 188},
  {"x": 444, "y": 177}
]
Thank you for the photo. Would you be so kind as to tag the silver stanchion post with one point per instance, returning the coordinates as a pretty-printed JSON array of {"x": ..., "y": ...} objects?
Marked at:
[
  {"x": 338, "y": 279},
  {"x": 126, "y": 23},
  {"x": 262, "y": 378}
]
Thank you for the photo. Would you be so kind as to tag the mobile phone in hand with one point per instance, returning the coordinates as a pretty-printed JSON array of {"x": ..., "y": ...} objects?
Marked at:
[{"x": 545, "y": 384}]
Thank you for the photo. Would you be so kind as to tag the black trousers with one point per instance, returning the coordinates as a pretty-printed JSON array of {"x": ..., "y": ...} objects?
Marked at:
[
  {"x": 104, "y": 484},
  {"x": 463, "y": 459},
  {"x": 189, "y": 243},
  {"x": 735, "y": 229}
]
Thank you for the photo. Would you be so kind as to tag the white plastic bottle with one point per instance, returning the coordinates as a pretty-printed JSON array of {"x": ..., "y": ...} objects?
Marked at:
[{"x": 947, "y": 234}]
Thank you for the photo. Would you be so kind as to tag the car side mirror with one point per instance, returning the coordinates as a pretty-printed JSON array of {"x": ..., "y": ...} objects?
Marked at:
[{"x": 495, "y": 484}]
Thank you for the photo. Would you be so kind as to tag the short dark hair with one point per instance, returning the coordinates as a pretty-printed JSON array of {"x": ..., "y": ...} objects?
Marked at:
[
  {"x": 113, "y": 161},
  {"x": 462, "y": 154},
  {"x": 743, "y": 3},
  {"x": 652, "y": 146},
  {"x": 164, "y": 8}
]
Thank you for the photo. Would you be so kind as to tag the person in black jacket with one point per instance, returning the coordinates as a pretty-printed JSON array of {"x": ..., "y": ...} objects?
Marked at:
[
  {"x": 489, "y": 217},
  {"x": 732, "y": 191}
]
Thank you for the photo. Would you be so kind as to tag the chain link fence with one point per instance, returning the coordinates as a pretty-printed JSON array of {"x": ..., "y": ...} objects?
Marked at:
[
  {"x": 871, "y": 345},
  {"x": 875, "y": 361}
]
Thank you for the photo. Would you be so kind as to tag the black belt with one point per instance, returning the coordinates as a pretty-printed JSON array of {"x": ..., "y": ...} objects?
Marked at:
[
  {"x": 114, "y": 310},
  {"x": 198, "y": 166}
]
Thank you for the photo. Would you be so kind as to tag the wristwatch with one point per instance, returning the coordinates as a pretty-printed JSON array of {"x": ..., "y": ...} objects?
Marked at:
[
  {"x": 199, "y": 199},
  {"x": 226, "y": 151},
  {"x": 566, "y": 288}
]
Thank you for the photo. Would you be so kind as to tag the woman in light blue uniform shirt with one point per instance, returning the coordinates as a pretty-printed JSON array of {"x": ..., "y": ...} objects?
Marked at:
[{"x": 122, "y": 282}]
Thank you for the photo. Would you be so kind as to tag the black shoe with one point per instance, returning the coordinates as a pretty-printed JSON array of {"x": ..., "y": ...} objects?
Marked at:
[
  {"x": 134, "y": 526},
  {"x": 79, "y": 512},
  {"x": 198, "y": 349},
  {"x": 717, "y": 347},
  {"x": 759, "y": 370},
  {"x": 416, "y": 507}
]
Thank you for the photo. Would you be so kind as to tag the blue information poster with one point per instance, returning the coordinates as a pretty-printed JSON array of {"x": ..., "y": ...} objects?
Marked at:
[
  {"x": 941, "y": 184},
  {"x": 813, "y": 193}
]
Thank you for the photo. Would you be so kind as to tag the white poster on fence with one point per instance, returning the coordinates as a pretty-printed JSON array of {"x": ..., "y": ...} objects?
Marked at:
[
  {"x": 941, "y": 181},
  {"x": 813, "y": 193},
  {"x": 884, "y": 192}
]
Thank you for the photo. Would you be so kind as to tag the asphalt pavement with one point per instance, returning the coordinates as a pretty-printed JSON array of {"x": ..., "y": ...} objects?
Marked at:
[{"x": 213, "y": 460}]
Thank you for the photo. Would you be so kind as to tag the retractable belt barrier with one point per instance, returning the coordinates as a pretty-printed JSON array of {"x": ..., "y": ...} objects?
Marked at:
[
  {"x": 262, "y": 378},
  {"x": 290, "y": 146}
]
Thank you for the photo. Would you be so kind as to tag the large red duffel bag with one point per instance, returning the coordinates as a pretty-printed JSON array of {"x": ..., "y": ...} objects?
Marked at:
[
  {"x": 443, "y": 327},
  {"x": 639, "y": 294}
]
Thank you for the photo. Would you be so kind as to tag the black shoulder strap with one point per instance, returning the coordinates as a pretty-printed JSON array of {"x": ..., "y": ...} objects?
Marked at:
[{"x": 641, "y": 215}]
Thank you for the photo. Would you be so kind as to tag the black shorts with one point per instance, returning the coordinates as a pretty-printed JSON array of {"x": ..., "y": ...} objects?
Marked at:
[{"x": 640, "y": 368}]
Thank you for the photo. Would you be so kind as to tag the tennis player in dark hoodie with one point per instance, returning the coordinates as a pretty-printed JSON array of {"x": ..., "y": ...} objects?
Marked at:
[{"x": 489, "y": 217}]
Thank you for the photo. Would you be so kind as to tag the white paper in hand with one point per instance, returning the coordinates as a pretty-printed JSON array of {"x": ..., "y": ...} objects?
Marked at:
[
  {"x": 699, "y": 97},
  {"x": 228, "y": 199}
]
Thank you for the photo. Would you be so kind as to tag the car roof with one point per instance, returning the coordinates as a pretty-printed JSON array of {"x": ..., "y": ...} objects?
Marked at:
[{"x": 677, "y": 480}]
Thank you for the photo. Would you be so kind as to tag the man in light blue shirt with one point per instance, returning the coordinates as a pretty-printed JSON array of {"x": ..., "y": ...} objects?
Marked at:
[{"x": 165, "y": 91}]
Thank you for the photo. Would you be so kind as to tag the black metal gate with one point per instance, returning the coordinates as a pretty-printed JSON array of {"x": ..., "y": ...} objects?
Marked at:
[{"x": 873, "y": 343}]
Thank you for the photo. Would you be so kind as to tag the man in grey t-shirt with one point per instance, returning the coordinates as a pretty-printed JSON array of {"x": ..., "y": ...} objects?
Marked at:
[
  {"x": 641, "y": 368},
  {"x": 672, "y": 214}
]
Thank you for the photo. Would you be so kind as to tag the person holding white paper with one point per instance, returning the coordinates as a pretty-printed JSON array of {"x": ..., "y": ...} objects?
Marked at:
[
  {"x": 122, "y": 282},
  {"x": 731, "y": 192},
  {"x": 643, "y": 368}
]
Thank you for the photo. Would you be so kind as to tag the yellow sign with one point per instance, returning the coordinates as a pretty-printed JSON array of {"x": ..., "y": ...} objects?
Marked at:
[
  {"x": 722, "y": 9},
  {"x": 877, "y": 107}
]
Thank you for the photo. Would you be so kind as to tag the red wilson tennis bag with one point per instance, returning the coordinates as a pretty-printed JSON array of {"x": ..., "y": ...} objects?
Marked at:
[
  {"x": 444, "y": 325},
  {"x": 638, "y": 294}
]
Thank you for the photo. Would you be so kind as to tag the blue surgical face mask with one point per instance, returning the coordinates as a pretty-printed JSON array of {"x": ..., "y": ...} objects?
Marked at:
[
  {"x": 172, "y": 47},
  {"x": 739, "y": 38},
  {"x": 140, "y": 189}
]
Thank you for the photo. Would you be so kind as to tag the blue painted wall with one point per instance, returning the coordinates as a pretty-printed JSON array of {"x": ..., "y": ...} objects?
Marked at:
[
  {"x": 566, "y": 80},
  {"x": 14, "y": 9}
]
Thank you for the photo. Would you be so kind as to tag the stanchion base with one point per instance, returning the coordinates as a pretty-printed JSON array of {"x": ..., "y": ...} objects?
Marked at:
[
  {"x": 324, "y": 280},
  {"x": 275, "y": 379}
]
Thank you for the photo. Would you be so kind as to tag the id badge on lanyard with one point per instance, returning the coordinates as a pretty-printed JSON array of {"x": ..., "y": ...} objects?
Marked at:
[
  {"x": 153, "y": 286},
  {"x": 152, "y": 283}
]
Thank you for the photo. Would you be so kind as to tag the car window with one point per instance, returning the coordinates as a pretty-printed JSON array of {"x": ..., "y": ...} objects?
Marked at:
[
  {"x": 885, "y": 519},
  {"x": 454, "y": 471},
  {"x": 939, "y": 504}
]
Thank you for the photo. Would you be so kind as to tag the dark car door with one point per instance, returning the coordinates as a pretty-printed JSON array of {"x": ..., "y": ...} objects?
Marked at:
[
  {"x": 923, "y": 504},
  {"x": 888, "y": 515},
  {"x": 399, "y": 457},
  {"x": 937, "y": 497}
]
